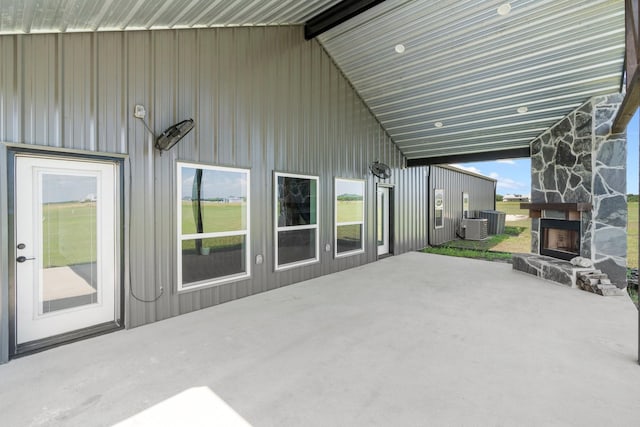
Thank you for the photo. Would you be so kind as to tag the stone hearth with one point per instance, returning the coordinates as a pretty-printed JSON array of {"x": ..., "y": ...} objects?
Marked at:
[
  {"x": 564, "y": 273},
  {"x": 579, "y": 161},
  {"x": 548, "y": 268}
]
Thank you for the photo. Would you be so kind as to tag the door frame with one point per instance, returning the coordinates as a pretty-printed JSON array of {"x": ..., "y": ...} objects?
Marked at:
[
  {"x": 17, "y": 350},
  {"x": 391, "y": 189}
]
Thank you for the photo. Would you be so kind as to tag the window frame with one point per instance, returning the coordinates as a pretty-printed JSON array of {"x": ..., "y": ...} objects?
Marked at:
[
  {"x": 277, "y": 228},
  {"x": 337, "y": 224},
  {"x": 465, "y": 205},
  {"x": 182, "y": 237},
  {"x": 438, "y": 191}
]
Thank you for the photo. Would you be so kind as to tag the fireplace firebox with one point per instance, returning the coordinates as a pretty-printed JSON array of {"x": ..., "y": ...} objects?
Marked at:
[{"x": 560, "y": 238}]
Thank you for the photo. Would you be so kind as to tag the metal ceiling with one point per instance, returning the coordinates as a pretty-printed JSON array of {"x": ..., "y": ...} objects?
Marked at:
[
  {"x": 464, "y": 65},
  {"x": 470, "y": 68},
  {"x": 38, "y": 16}
]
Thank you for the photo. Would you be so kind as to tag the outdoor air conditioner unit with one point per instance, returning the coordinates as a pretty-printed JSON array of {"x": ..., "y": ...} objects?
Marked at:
[{"x": 474, "y": 228}]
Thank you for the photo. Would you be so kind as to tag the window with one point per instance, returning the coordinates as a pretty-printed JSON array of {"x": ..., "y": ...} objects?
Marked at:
[
  {"x": 213, "y": 225},
  {"x": 349, "y": 217},
  {"x": 296, "y": 220},
  {"x": 465, "y": 205},
  {"x": 439, "y": 208}
]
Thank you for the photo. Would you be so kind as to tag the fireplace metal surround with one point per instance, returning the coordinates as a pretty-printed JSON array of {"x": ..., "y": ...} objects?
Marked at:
[
  {"x": 568, "y": 229},
  {"x": 560, "y": 238}
]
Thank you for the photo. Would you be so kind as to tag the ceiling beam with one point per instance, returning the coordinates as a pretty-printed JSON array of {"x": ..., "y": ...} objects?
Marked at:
[
  {"x": 513, "y": 153},
  {"x": 629, "y": 105},
  {"x": 336, "y": 15}
]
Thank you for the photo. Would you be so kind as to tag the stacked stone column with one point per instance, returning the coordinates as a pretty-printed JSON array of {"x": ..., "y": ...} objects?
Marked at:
[{"x": 580, "y": 160}]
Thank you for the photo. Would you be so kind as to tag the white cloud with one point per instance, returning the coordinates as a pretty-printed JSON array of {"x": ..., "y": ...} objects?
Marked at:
[
  {"x": 508, "y": 184},
  {"x": 506, "y": 161},
  {"x": 511, "y": 184}
]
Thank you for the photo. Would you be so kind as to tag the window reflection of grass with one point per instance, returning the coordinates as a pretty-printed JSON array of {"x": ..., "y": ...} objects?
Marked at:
[
  {"x": 214, "y": 243},
  {"x": 350, "y": 211},
  {"x": 69, "y": 234},
  {"x": 216, "y": 217},
  {"x": 350, "y": 232}
]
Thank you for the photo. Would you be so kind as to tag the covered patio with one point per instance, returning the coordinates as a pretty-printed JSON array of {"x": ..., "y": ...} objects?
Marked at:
[{"x": 414, "y": 339}]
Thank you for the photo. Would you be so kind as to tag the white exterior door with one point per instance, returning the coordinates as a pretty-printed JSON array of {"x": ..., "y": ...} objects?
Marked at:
[
  {"x": 65, "y": 232},
  {"x": 383, "y": 220}
]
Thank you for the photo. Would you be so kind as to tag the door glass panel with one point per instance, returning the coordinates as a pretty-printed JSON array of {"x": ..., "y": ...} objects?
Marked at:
[{"x": 69, "y": 242}]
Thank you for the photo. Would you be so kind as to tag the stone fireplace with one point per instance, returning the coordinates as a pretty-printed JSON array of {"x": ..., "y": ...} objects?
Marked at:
[{"x": 578, "y": 189}]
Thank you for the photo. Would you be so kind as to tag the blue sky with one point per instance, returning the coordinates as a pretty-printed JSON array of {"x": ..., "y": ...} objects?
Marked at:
[{"x": 514, "y": 176}]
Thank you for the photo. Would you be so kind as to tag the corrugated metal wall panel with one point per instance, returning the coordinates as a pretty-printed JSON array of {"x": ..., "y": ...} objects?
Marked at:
[
  {"x": 9, "y": 96},
  {"x": 262, "y": 98},
  {"x": 481, "y": 197},
  {"x": 4, "y": 263},
  {"x": 111, "y": 99},
  {"x": 41, "y": 110}
]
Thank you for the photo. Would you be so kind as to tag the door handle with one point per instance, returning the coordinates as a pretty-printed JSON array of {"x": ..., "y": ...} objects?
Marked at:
[{"x": 24, "y": 258}]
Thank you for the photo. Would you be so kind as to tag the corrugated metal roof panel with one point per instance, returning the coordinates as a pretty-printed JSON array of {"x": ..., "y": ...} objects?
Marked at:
[
  {"x": 470, "y": 68},
  {"x": 54, "y": 16}
]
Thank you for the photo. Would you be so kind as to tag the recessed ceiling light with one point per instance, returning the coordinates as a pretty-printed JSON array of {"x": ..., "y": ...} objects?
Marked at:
[
  {"x": 522, "y": 109},
  {"x": 504, "y": 9},
  {"x": 399, "y": 48},
  {"x": 438, "y": 124}
]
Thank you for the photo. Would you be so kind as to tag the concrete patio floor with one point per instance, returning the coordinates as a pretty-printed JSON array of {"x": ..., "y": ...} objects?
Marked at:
[{"x": 410, "y": 340}]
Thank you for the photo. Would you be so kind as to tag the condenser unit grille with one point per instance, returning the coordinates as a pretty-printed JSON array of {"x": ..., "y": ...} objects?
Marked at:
[{"x": 474, "y": 228}]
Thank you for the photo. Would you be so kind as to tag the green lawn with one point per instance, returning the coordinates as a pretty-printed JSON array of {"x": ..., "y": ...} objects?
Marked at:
[
  {"x": 493, "y": 241},
  {"x": 516, "y": 238},
  {"x": 468, "y": 253},
  {"x": 516, "y": 242},
  {"x": 511, "y": 208}
]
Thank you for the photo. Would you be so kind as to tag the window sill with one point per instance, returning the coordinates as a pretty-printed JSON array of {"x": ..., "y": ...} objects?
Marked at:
[
  {"x": 212, "y": 284},
  {"x": 297, "y": 264}
]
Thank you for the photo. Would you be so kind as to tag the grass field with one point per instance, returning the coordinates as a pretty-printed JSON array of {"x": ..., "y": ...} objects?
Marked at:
[
  {"x": 216, "y": 217},
  {"x": 516, "y": 238},
  {"x": 350, "y": 211},
  {"x": 516, "y": 242},
  {"x": 69, "y": 234}
]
